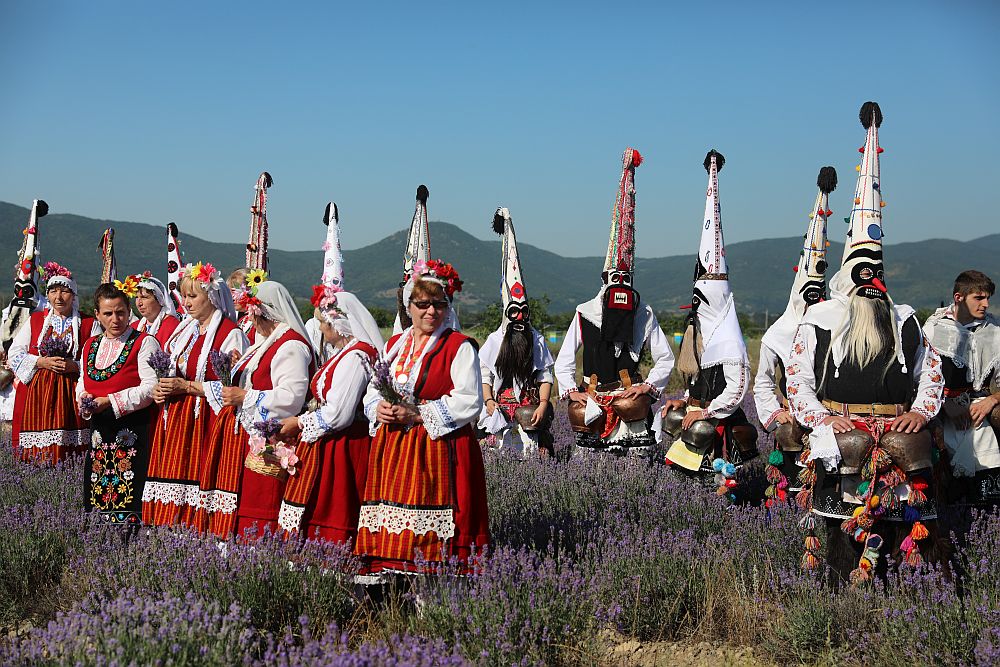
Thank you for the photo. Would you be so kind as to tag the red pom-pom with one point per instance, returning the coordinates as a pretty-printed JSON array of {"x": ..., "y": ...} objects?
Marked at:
[
  {"x": 881, "y": 150},
  {"x": 317, "y": 295},
  {"x": 636, "y": 158},
  {"x": 795, "y": 269}
]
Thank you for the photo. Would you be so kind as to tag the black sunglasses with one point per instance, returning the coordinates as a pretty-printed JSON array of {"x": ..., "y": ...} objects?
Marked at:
[{"x": 424, "y": 305}]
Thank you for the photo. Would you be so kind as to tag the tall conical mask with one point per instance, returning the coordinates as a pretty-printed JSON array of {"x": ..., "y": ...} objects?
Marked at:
[
  {"x": 620, "y": 298},
  {"x": 712, "y": 302},
  {"x": 109, "y": 272},
  {"x": 25, "y": 298},
  {"x": 257, "y": 243},
  {"x": 333, "y": 256},
  {"x": 25, "y": 287},
  {"x": 174, "y": 265},
  {"x": 711, "y": 272},
  {"x": 809, "y": 286},
  {"x": 513, "y": 295},
  {"x": 863, "y": 246},
  {"x": 418, "y": 248}
]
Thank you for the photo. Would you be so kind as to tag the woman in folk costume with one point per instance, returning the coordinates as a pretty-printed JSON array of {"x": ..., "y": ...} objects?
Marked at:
[
  {"x": 769, "y": 391},
  {"x": 418, "y": 249},
  {"x": 323, "y": 499},
  {"x": 863, "y": 377},
  {"x": 171, "y": 493},
  {"x": 711, "y": 435},
  {"x": 45, "y": 358},
  {"x": 968, "y": 339},
  {"x": 516, "y": 364},
  {"x": 270, "y": 382},
  {"x": 426, "y": 490},
  {"x": 157, "y": 315},
  {"x": 114, "y": 393},
  {"x": 610, "y": 409}
]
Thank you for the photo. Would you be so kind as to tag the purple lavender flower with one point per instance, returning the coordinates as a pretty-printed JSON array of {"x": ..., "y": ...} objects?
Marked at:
[
  {"x": 88, "y": 404},
  {"x": 269, "y": 428},
  {"x": 222, "y": 365},
  {"x": 161, "y": 363},
  {"x": 54, "y": 347},
  {"x": 382, "y": 380}
]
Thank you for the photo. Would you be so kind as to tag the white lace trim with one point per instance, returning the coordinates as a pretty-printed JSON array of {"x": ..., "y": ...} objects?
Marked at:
[
  {"x": 168, "y": 493},
  {"x": 397, "y": 519},
  {"x": 40, "y": 439},
  {"x": 290, "y": 517},
  {"x": 312, "y": 426},
  {"x": 437, "y": 419},
  {"x": 218, "y": 501}
]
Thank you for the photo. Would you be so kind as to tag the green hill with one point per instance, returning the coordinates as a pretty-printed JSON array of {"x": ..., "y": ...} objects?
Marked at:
[{"x": 919, "y": 273}]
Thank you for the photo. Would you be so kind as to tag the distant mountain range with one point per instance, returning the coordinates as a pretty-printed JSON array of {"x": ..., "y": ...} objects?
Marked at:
[{"x": 919, "y": 273}]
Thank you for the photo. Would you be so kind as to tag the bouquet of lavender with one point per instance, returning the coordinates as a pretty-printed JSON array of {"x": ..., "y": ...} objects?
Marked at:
[
  {"x": 382, "y": 381},
  {"x": 54, "y": 347},
  {"x": 223, "y": 367},
  {"x": 87, "y": 406},
  {"x": 162, "y": 364},
  {"x": 269, "y": 428}
]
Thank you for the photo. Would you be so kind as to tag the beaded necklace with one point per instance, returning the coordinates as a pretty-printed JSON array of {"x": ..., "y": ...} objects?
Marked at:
[{"x": 406, "y": 360}]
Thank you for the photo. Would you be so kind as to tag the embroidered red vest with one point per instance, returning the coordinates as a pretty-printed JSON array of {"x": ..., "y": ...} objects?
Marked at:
[
  {"x": 38, "y": 320},
  {"x": 330, "y": 366},
  {"x": 122, "y": 374},
  {"x": 435, "y": 370},
  {"x": 191, "y": 370},
  {"x": 261, "y": 378}
]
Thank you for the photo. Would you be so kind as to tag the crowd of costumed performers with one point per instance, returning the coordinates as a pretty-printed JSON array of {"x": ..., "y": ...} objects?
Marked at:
[{"x": 205, "y": 401}]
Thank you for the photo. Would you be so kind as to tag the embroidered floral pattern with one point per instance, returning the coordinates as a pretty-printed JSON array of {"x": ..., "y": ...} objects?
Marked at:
[
  {"x": 102, "y": 374},
  {"x": 111, "y": 479}
]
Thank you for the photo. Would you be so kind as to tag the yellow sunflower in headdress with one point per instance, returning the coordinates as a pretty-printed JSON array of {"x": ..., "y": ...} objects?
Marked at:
[{"x": 255, "y": 277}]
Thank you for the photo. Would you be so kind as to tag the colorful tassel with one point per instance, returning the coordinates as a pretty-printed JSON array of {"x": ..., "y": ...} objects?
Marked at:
[
  {"x": 775, "y": 458},
  {"x": 717, "y": 465},
  {"x": 729, "y": 470},
  {"x": 804, "y": 499},
  {"x": 808, "y": 522},
  {"x": 907, "y": 544},
  {"x": 721, "y": 491},
  {"x": 807, "y": 476},
  {"x": 860, "y": 576},
  {"x": 863, "y": 487},
  {"x": 913, "y": 557},
  {"x": 849, "y": 525},
  {"x": 773, "y": 474},
  {"x": 812, "y": 543},
  {"x": 919, "y": 531},
  {"x": 809, "y": 561}
]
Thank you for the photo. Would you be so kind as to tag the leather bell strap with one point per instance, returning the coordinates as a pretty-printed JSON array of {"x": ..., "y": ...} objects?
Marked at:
[{"x": 866, "y": 409}]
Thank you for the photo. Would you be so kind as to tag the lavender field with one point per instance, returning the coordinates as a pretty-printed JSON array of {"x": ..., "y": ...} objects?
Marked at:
[{"x": 594, "y": 561}]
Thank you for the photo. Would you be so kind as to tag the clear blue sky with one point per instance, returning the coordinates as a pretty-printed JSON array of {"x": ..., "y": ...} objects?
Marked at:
[{"x": 157, "y": 111}]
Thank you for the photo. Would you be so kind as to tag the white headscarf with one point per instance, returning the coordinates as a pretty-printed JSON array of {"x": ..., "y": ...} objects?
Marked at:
[
  {"x": 75, "y": 315},
  {"x": 159, "y": 291},
  {"x": 355, "y": 321},
  {"x": 276, "y": 305}
]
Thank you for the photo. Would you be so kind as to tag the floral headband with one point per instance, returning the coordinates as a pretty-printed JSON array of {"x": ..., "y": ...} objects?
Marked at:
[
  {"x": 444, "y": 274},
  {"x": 202, "y": 273},
  {"x": 130, "y": 286},
  {"x": 246, "y": 297},
  {"x": 324, "y": 297},
  {"x": 51, "y": 270}
]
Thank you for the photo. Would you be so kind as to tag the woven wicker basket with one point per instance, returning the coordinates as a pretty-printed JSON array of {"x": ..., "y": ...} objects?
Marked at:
[{"x": 266, "y": 464}]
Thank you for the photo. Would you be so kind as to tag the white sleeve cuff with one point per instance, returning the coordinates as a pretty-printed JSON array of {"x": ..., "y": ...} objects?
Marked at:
[
  {"x": 312, "y": 425},
  {"x": 213, "y": 394},
  {"x": 437, "y": 419},
  {"x": 24, "y": 367}
]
